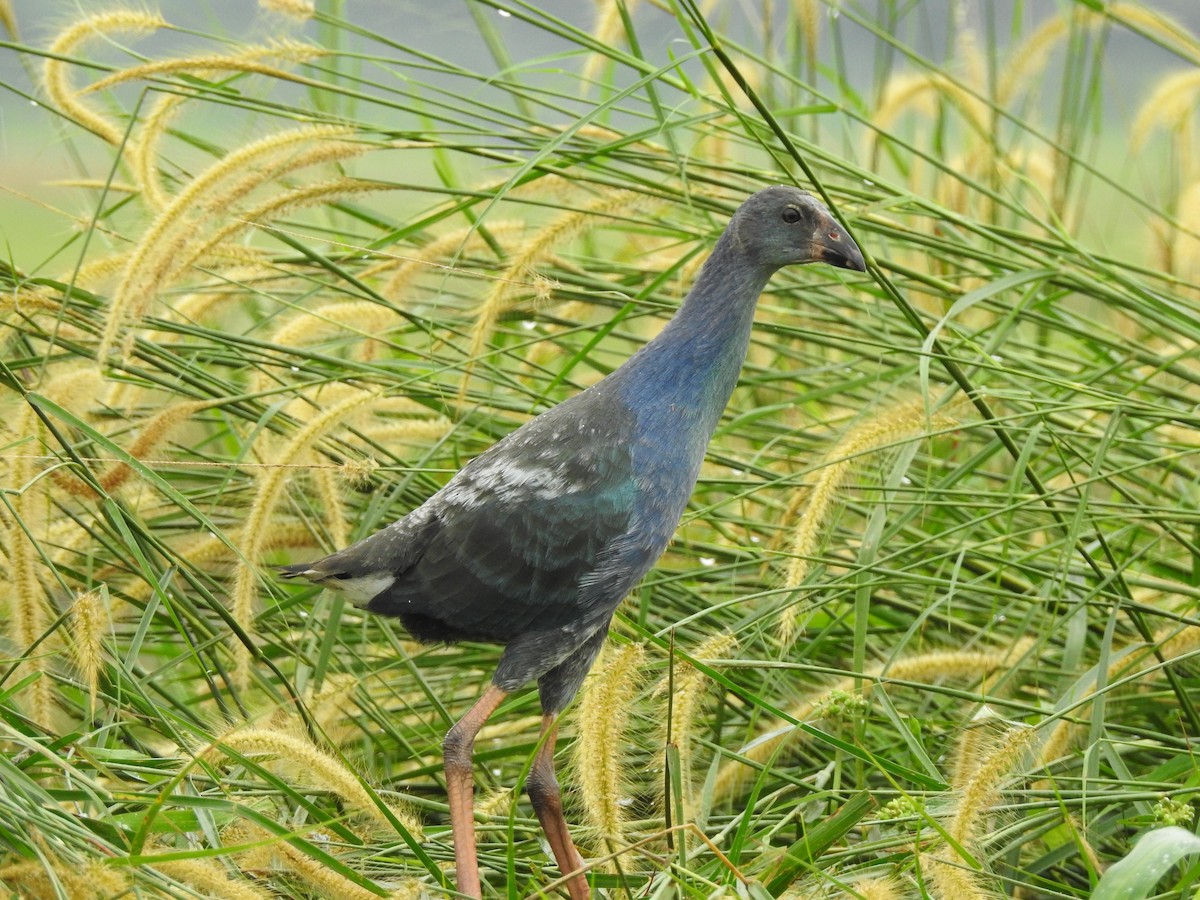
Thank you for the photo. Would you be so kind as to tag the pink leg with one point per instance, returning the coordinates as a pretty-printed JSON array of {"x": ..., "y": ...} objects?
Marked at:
[
  {"x": 457, "y": 751},
  {"x": 547, "y": 803}
]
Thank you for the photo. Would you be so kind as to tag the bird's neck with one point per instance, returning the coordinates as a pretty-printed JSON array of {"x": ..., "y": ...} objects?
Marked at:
[{"x": 692, "y": 366}]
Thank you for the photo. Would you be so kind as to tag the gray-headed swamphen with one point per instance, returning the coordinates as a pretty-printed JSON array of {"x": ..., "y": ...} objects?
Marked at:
[{"x": 535, "y": 542}]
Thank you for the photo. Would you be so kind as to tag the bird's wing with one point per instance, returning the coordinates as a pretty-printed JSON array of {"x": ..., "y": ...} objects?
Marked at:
[{"x": 523, "y": 526}]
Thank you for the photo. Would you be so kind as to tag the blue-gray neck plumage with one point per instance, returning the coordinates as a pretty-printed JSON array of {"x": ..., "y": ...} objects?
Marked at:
[{"x": 685, "y": 376}]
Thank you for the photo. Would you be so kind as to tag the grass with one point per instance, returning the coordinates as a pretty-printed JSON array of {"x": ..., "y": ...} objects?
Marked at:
[{"x": 929, "y": 624}]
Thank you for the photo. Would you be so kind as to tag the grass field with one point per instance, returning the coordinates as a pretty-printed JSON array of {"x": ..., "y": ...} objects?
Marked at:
[{"x": 929, "y": 627}]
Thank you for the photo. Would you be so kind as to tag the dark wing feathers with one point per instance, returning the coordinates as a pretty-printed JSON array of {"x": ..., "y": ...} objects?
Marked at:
[{"x": 520, "y": 528}]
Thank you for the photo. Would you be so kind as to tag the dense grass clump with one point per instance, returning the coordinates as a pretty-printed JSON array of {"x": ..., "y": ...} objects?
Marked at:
[{"x": 929, "y": 626}]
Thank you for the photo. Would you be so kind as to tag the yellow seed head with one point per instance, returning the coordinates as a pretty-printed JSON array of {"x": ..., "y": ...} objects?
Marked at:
[
  {"x": 1171, "y": 106},
  {"x": 156, "y": 259},
  {"x": 301, "y": 10},
  {"x": 210, "y": 877},
  {"x": 270, "y": 484},
  {"x": 248, "y": 60},
  {"x": 1185, "y": 249},
  {"x": 56, "y": 72},
  {"x": 449, "y": 247},
  {"x": 523, "y": 267},
  {"x": 892, "y": 426},
  {"x": 317, "y": 768},
  {"x": 8, "y": 19},
  {"x": 89, "y": 623},
  {"x": 982, "y": 790},
  {"x": 605, "y": 705},
  {"x": 687, "y": 702},
  {"x": 924, "y": 668},
  {"x": 808, "y": 17}
]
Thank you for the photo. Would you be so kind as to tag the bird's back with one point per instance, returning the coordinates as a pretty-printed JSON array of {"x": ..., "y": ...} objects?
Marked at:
[{"x": 537, "y": 533}]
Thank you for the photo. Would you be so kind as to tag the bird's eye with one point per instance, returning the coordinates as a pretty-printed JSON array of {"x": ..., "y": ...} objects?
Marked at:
[{"x": 791, "y": 215}]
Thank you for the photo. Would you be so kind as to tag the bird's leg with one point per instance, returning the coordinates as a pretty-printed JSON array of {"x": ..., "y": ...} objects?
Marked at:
[
  {"x": 547, "y": 803},
  {"x": 457, "y": 751}
]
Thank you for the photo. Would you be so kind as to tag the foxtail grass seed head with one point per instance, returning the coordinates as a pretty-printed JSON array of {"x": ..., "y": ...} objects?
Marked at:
[
  {"x": 874, "y": 889},
  {"x": 210, "y": 877},
  {"x": 1185, "y": 249},
  {"x": 953, "y": 880},
  {"x": 318, "y": 877},
  {"x": 270, "y": 483},
  {"x": 608, "y": 31},
  {"x": 1172, "y": 107},
  {"x": 523, "y": 267},
  {"x": 56, "y": 69},
  {"x": 981, "y": 791},
  {"x": 212, "y": 193},
  {"x": 358, "y": 473},
  {"x": 28, "y": 614},
  {"x": 144, "y": 151},
  {"x": 89, "y": 624},
  {"x": 303, "y": 760},
  {"x": 808, "y": 17},
  {"x": 300, "y": 10},
  {"x": 888, "y": 428},
  {"x": 49, "y": 875},
  {"x": 8, "y": 20},
  {"x": 605, "y": 705},
  {"x": 249, "y": 60},
  {"x": 443, "y": 252},
  {"x": 687, "y": 702},
  {"x": 923, "y": 668}
]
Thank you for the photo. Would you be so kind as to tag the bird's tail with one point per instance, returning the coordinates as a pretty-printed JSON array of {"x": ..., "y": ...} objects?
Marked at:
[{"x": 297, "y": 570}]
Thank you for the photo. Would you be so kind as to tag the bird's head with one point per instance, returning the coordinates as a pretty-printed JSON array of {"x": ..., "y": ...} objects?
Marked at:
[{"x": 783, "y": 225}]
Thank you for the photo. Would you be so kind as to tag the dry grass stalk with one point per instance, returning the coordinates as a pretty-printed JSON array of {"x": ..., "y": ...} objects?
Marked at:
[
  {"x": 605, "y": 705},
  {"x": 270, "y": 484},
  {"x": 56, "y": 71},
  {"x": 924, "y": 668},
  {"x": 892, "y": 426}
]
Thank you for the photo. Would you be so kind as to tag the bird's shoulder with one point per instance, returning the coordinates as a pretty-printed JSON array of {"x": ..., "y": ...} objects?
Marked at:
[{"x": 575, "y": 451}]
